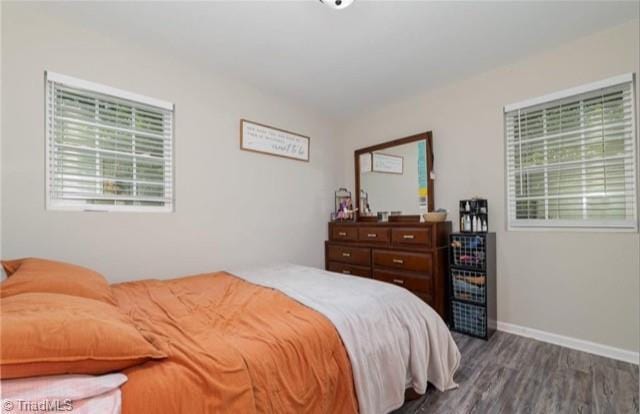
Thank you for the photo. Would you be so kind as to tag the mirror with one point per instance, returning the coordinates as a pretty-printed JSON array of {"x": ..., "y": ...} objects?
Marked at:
[{"x": 395, "y": 177}]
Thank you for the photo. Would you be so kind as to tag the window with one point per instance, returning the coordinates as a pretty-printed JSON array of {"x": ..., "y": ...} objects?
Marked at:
[
  {"x": 107, "y": 149},
  {"x": 571, "y": 158}
]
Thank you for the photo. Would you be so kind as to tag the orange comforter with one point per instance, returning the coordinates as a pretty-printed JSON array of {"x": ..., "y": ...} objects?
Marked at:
[{"x": 233, "y": 347}]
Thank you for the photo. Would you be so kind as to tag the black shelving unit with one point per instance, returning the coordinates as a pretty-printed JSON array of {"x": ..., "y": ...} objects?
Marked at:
[{"x": 472, "y": 283}]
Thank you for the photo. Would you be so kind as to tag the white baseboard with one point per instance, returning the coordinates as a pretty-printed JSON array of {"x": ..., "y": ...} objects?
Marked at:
[{"x": 573, "y": 343}]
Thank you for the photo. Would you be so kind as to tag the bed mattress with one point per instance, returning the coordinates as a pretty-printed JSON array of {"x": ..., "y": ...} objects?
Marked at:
[{"x": 283, "y": 339}]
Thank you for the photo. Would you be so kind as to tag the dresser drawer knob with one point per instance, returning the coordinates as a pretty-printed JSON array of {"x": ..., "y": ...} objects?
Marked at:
[
  {"x": 342, "y": 233},
  {"x": 398, "y": 281},
  {"x": 408, "y": 236},
  {"x": 346, "y": 272},
  {"x": 372, "y": 235},
  {"x": 345, "y": 254},
  {"x": 398, "y": 261}
]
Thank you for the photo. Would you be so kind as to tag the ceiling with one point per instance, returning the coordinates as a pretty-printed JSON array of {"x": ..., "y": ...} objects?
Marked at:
[{"x": 344, "y": 62}]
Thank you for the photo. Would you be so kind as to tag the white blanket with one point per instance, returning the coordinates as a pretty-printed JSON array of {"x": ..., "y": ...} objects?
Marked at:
[{"x": 393, "y": 339}]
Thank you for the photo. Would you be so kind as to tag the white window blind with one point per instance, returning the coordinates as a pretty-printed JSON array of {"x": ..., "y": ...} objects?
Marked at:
[
  {"x": 571, "y": 158},
  {"x": 107, "y": 149}
]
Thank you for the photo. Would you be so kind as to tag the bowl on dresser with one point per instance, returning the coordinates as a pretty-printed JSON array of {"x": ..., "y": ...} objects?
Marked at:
[{"x": 435, "y": 216}]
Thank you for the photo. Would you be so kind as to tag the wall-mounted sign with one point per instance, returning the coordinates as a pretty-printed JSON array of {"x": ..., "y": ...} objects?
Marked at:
[
  {"x": 273, "y": 141},
  {"x": 386, "y": 163}
]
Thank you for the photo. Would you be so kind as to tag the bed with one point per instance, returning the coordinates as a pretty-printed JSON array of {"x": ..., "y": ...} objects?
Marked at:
[{"x": 281, "y": 339}]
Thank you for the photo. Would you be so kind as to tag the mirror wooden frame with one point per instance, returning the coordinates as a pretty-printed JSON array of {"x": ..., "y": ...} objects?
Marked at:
[{"x": 428, "y": 136}]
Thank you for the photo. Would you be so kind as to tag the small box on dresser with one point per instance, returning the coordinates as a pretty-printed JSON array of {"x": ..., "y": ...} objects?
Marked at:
[
  {"x": 411, "y": 255},
  {"x": 472, "y": 283}
]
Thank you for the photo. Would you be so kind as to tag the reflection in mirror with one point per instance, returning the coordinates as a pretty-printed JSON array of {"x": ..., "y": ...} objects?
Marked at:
[{"x": 395, "y": 179}]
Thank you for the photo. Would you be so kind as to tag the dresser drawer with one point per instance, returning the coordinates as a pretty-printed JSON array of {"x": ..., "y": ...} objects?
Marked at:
[
  {"x": 344, "y": 233},
  {"x": 418, "y": 284},
  {"x": 349, "y": 269},
  {"x": 414, "y": 236},
  {"x": 416, "y": 262},
  {"x": 352, "y": 255},
  {"x": 373, "y": 234}
]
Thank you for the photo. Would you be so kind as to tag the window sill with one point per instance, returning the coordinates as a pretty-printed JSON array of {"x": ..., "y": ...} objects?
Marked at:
[
  {"x": 110, "y": 209},
  {"x": 572, "y": 229}
]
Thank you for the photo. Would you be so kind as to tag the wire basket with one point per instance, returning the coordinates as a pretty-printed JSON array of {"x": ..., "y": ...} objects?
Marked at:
[
  {"x": 470, "y": 319},
  {"x": 468, "y": 251},
  {"x": 469, "y": 285}
]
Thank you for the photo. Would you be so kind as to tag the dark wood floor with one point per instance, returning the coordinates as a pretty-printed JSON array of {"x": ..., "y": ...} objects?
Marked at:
[{"x": 512, "y": 374}]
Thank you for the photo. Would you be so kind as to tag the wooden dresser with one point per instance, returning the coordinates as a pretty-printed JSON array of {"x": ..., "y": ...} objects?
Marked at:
[{"x": 412, "y": 255}]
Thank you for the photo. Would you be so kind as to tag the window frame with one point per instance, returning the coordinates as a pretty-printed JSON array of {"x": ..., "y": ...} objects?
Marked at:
[
  {"x": 52, "y": 204},
  {"x": 514, "y": 224}
]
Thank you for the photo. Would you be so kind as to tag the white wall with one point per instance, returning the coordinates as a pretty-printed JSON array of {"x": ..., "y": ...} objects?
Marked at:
[
  {"x": 233, "y": 207},
  {"x": 579, "y": 284}
]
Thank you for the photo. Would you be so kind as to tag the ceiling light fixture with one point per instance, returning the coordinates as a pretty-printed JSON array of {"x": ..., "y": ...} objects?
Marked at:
[{"x": 337, "y": 4}]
